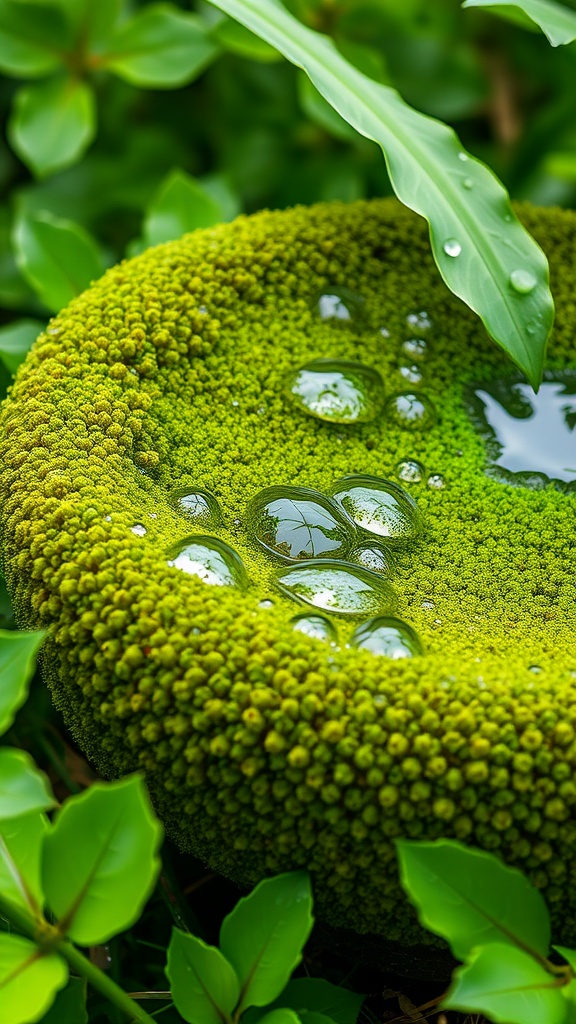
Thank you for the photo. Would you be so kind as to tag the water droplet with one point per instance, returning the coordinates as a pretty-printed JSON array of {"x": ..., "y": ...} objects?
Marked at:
[
  {"x": 463, "y": 157},
  {"x": 523, "y": 281},
  {"x": 266, "y": 603},
  {"x": 379, "y": 506},
  {"x": 210, "y": 559},
  {"x": 235, "y": 403},
  {"x": 420, "y": 321},
  {"x": 375, "y": 557},
  {"x": 139, "y": 530},
  {"x": 410, "y": 471},
  {"x": 415, "y": 347},
  {"x": 384, "y": 332},
  {"x": 427, "y": 604},
  {"x": 317, "y": 627},
  {"x": 388, "y": 637},
  {"x": 467, "y": 183},
  {"x": 337, "y": 587},
  {"x": 412, "y": 374},
  {"x": 153, "y": 515},
  {"x": 299, "y": 523},
  {"x": 536, "y": 669},
  {"x": 436, "y": 482},
  {"x": 452, "y": 247},
  {"x": 203, "y": 310},
  {"x": 337, "y": 390},
  {"x": 340, "y": 304},
  {"x": 196, "y": 504},
  {"x": 411, "y": 411},
  {"x": 108, "y": 519}
]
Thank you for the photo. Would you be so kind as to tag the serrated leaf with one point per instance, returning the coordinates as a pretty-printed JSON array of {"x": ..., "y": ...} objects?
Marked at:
[
  {"x": 180, "y": 205},
  {"x": 23, "y": 788},
  {"x": 16, "y": 340},
  {"x": 314, "y": 995},
  {"x": 20, "y": 850},
  {"x": 203, "y": 984},
  {"x": 52, "y": 123},
  {"x": 58, "y": 257},
  {"x": 32, "y": 39},
  {"x": 18, "y": 650},
  {"x": 69, "y": 1006},
  {"x": 470, "y": 898},
  {"x": 508, "y": 986},
  {"x": 265, "y": 933},
  {"x": 29, "y": 980},
  {"x": 100, "y": 860},
  {"x": 160, "y": 47},
  {"x": 557, "y": 22},
  {"x": 479, "y": 245}
]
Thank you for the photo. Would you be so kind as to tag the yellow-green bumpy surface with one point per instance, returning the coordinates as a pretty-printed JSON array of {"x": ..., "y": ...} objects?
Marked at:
[{"x": 266, "y": 750}]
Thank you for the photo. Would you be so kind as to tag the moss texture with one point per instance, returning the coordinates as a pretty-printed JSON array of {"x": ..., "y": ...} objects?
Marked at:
[{"x": 266, "y": 750}]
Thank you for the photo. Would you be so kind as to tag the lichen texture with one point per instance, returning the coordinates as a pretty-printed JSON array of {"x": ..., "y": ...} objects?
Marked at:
[{"x": 265, "y": 749}]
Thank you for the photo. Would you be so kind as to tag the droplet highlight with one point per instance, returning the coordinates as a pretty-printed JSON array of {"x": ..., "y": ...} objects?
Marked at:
[
  {"x": 411, "y": 374},
  {"x": 337, "y": 390},
  {"x": 337, "y": 587},
  {"x": 379, "y": 507},
  {"x": 296, "y": 523},
  {"x": 523, "y": 281},
  {"x": 139, "y": 529},
  {"x": 411, "y": 411},
  {"x": 452, "y": 247},
  {"x": 387, "y": 637},
  {"x": 419, "y": 321},
  {"x": 210, "y": 559},
  {"x": 417, "y": 348},
  {"x": 340, "y": 304},
  {"x": 317, "y": 627},
  {"x": 436, "y": 482},
  {"x": 375, "y": 557},
  {"x": 197, "y": 504},
  {"x": 410, "y": 471}
]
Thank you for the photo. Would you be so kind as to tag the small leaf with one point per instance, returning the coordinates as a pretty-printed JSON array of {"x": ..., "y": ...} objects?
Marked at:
[
  {"x": 70, "y": 1005},
  {"x": 470, "y": 898},
  {"x": 16, "y": 340},
  {"x": 203, "y": 984},
  {"x": 314, "y": 995},
  {"x": 180, "y": 205},
  {"x": 558, "y": 23},
  {"x": 20, "y": 850},
  {"x": 29, "y": 980},
  {"x": 508, "y": 986},
  {"x": 23, "y": 788},
  {"x": 264, "y": 935},
  {"x": 100, "y": 860},
  {"x": 58, "y": 257},
  {"x": 280, "y": 1016},
  {"x": 52, "y": 123},
  {"x": 32, "y": 39},
  {"x": 160, "y": 47},
  {"x": 18, "y": 650}
]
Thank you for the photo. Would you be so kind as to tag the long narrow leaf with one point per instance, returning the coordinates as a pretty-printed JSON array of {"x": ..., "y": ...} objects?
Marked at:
[{"x": 557, "y": 22}]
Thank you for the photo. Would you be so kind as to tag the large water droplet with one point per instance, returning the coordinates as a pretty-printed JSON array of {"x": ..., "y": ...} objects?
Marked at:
[
  {"x": 452, "y": 247},
  {"x": 411, "y": 411},
  {"x": 210, "y": 559},
  {"x": 523, "y": 281},
  {"x": 299, "y": 523},
  {"x": 340, "y": 304},
  {"x": 420, "y": 321},
  {"x": 337, "y": 390},
  {"x": 436, "y": 482},
  {"x": 410, "y": 471},
  {"x": 139, "y": 529},
  {"x": 415, "y": 347},
  {"x": 317, "y": 627},
  {"x": 388, "y": 637},
  {"x": 197, "y": 504},
  {"x": 379, "y": 506},
  {"x": 375, "y": 557},
  {"x": 412, "y": 374},
  {"x": 337, "y": 587}
]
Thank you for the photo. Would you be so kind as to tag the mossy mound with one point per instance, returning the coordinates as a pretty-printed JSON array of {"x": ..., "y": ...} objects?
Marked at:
[{"x": 266, "y": 750}]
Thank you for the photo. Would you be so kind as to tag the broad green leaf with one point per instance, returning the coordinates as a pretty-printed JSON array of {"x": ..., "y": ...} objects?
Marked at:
[
  {"x": 29, "y": 980},
  {"x": 508, "y": 986},
  {"x": 23, "y": 788},
  {"x": 280, "y": 1016},
  {"x": 69, "y": 1006},
  {"x": 16, "y": 340},
  {"x": 160, "y": 47},
  {"x": 557, "y": 22},
  {"x": 20, "y": 850},
  {"x": 180, "y": 205},
  {"x": 94, "y": 19},
  {"x": 314, "y": 995},
  {"x": 470, "y": 898},
  {"x": 239, "y": 40},
  {"x": 481, "y": 249},
  {"x": 52, "y": 123},
  {"x": 32, "y": 39},
  {"x": 100, "y": 860},
  {"x": 203, "y": 984},
  {"x": 58, "y": 257},
  {"x": 18, "y": 651},
  {"x": 265, "y": 933}
]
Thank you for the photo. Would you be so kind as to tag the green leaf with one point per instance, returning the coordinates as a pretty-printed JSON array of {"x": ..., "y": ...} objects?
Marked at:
[
  {"x": 508, "y": 986},
  {"x": 70, "y": 1005},
  {"x": 52, "y": 123},
  {"x": 29, "y": 980},
  {"x": 32, "y": 39},
  {"x": 58, "y": 257},
  {"x": 160, "y": 47},
  {"x": 557, "y": 22},
  {"x": 568, "y": 954},
  {"x": 180, "y": 205},
  {"x": 470, "y": 898},
  {"x": 18, "y": 651},
  {"x": 314, "y": 995},
  {"x": 239, "y": 40},
  {"x": 478, "y": 243},
  {"x": 321, "y": 112},
  {"x": 93, "y": 21},
  {"x": 16, "y": 340},
  {"x": 280, "y": 1016},
  {"x": 24, "y": 789},
  {"x": 100, "y": 860},
  {"x": 203, "y": 984},
  {"x": 20, "y": 851},
  {"x": 265, "y": 933}
]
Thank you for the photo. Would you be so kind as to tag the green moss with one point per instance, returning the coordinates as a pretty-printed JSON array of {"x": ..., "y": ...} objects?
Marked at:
[{"x": 264, "y": 749}]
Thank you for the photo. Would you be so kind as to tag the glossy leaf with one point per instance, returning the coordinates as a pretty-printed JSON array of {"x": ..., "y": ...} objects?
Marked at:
[
  {"x": 160, "y": 47},
  {"x": 314, "y": 995},
  {"x": 23, "y": 788},
  {"x": 100, "y": 860},
  {"x": 280, "y": 1016},
  {"x": 20, "y": 850},
  {"x": 32, "y": 39},
  {"x": 181, "y": 205},
  {"x": 69, "y": 1007},
  {"x": 15, "y": 342},
  {"x": 557, "y": 22},
  {"x": 477, "y": 241},
  {"x": 203, "y": 984},
  {"x": 52, "y": 123},
  {"x": 265, "y": 933},
  {"x": 471, "y": 898},
  {"x": 29, "y": 980},
  {"x": 58, "y": 257},
  {"x": 18, "y": 650},
  {"x": 508, "y": 986}
]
